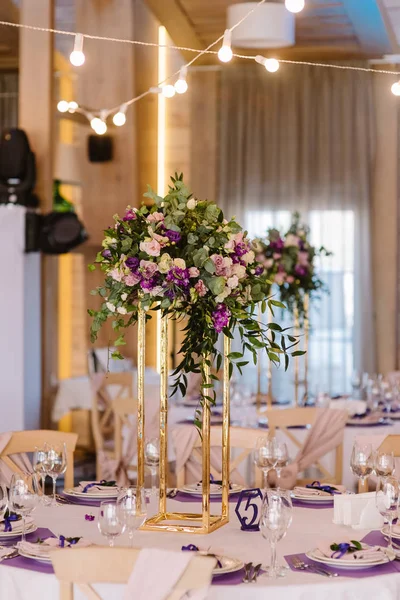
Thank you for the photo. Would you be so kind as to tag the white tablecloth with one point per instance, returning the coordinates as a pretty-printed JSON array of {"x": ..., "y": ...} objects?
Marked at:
[{"x": 308, "y": 528}]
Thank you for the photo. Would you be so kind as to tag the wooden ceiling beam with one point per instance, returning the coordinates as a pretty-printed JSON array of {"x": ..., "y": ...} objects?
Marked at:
[
  {"x": 170, "y": 14},
  {"x": 369, "y": 26}
]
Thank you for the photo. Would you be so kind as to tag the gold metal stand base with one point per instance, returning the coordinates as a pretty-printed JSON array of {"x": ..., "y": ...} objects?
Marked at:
[{"x": 157, "y": 523}]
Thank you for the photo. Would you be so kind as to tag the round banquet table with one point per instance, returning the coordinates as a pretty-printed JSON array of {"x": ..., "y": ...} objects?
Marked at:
[{"x": 309, "y": 526}]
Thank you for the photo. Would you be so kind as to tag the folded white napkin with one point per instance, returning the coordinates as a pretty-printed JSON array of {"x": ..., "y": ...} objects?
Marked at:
[
  {"x": 97, "y": 489},
  {"x": 305, "y": 491},
  {"x": 169, "y": 567},
  {"x": 49, "y": 545},
  {"x": 16, "y": 526},
  {"x": 5, "y": 552},
  {"x": 366, "y": 554}
]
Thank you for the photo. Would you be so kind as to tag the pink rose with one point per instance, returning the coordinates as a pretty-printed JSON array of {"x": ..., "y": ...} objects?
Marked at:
[
  {"x": 155, "y": 217},
  {"x": 116, "y": 274},
  {"x": 290, "y": 278},
  {"x": 230, "y": 245},
  {"x": 302, "y": 259},
  {"x": 222, "y": 265},
  {"x": 148, "y": 268},
  {"x": 268, "y": 263},
  {"x": 279, "y": 278},
  {"x": 194, "y": 272},
  {"x": 151, "y": 248},
  {"x": 200, "y": 288},
  {"x": 132, "y": 279},
  {"x": 277, "y": 255}
]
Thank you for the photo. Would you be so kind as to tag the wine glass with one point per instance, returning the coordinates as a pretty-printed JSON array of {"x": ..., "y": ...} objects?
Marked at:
[
  {"x": 132, "y": 509},
  {"x": 362, "y": 461},
  {"x": 3, "y": 499},
  {"x": 356, "y": 382},
  {"x": 57, "y": 457},
  {"x": 384, "y": 464},
  {"x": 152, "y": 460},
  {"x": 265, "y": 456},
  {"x": 41, "y": 465},
  {"x": 282, "y": 456},
  {"x": 109, "y": 522},
  {"x": 276, "y": 518},
  {"x": 24, "y": 495},
  {"x": 387, "y": 501}
]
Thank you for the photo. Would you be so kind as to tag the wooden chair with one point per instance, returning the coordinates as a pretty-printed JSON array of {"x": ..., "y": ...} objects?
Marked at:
[
  {"x": 241, "y": 439},
  {"x": 391, "y": 443},
  {"x": 84, "y": 566},
  {"x": 23, "y": 442},
  {"x": 285, "y": 418},
  {"x": 106, "y": 423}
]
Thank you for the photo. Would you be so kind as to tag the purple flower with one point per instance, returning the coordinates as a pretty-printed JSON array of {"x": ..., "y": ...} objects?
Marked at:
[
  {"x": 277, "y": 245},
  {"x": 259, "y": 270},
  {"x": 221, "y": 317},
  {"x": 89, "y": 517},
  {"x": 106, "y": 254},
  {"x": 173, "y": 236},
  {"x": 130, "y": 215},
  {"x": 241, "y": 248},
  {"x": 179, "y": 277},
  {"x": 300, "y": 270},
  {"x": 132, "y": 263}
]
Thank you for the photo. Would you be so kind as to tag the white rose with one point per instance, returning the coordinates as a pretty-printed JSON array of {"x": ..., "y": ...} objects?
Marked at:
[
  {"x": 239, "y": 271},
  {"x": 248, "y": 257},
  {"x": 191, "y": 204},
  {"x": 224, "y": 294},
  {"x": 124, "y": 297},
  {"x": 165, "y": 263},
  {"x": 110, "y": 306},
  {"x": 121, "y": 310},
  {"x": 180, "y": 263}
]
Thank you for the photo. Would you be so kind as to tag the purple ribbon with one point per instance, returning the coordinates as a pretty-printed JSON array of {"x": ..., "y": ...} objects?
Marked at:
[
  {"x": 7, "y": 522},
  {"x": 343, "y": 548},
  {"x": 193, "y": 548},
  {"x": 315, "y": 485},
  {"x": 102, "y": 482},
  {"x": 70, "y": 541}
]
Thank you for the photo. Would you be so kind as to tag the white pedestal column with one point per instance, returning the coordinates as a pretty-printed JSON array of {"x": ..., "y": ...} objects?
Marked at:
[{"x": 20, "y": 330}]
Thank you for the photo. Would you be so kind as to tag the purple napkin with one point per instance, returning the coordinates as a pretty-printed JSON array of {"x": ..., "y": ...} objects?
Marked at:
[
  {"x": 356, "y": 574},
  {"x": 27, "y": 563}
]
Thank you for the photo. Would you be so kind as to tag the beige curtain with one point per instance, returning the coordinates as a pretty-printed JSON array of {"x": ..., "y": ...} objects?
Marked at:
[
  {"x": 8, "y": 100},
  {"x": 303, "y": 139}
]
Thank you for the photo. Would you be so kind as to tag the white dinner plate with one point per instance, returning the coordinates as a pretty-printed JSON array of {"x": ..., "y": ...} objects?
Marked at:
[
  {"x": 385, "y": 531},
  {"x": 317, "y": 556},
  {"x": 229, "y": 565},
  {"x": 312, "y": 499},
  {"x": 7, "y": 535},
  {"x": 194, "y": 490},
  {"x": 92, "y": 495},
  {"x": 40, "y": 558}
]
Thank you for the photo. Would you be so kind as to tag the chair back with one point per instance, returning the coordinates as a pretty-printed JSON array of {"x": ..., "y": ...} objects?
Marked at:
[
  {"x": 391, "y": 443},
  {"x": 23, "y": 442},
  {"x": 110, "y": 408},
  {"x": 84, "y": 566},
  {"x": 286, "y": 418},
  {"x": 242, "y": 443}
]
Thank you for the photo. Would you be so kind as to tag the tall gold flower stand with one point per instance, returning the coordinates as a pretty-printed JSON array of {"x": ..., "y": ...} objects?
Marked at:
[
  {"x": 203, "y": 522},
  {"x": 302, "y": 382}
]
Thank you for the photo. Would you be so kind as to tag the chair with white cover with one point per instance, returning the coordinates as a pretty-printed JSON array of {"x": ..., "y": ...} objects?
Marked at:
[
  {"x": 325, "y": 436},
  {"x": 187, "y": 444},
  {"x": 84, "y": 566},
  {"x": 111, "y": 392},
  {"x": 15, "y": 445}
]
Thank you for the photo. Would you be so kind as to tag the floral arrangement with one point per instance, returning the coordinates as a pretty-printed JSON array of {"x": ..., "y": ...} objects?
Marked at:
[
  {"x": 181, "y": 256},
  {"x": 288, "y": 261}
]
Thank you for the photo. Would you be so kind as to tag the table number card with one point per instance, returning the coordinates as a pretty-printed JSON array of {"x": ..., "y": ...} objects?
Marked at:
[{"x": 248, "y": 509}]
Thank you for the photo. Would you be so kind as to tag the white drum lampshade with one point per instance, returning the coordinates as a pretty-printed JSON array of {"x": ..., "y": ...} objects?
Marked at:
[{"x": 270, "y": 26}]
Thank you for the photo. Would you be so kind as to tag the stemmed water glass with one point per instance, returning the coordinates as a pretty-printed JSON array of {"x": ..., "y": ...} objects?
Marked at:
[
  {"x": 42, "y": 465},
  {"x": 276, "y": 518},
  {"x": 132, "y": 509},
  {"x": 387, "y": 501},
  {"x": 384, "y": 464},
  {"x": 3, "y": 499},
  {"x": 57, "y": 456},
  {"x": 152, "y": 460},
  {"x": 24, "y": 495},
  {"x": 109, "y": 522},
  {"x": 282, "y": 455},
  {"x": 265, "y": 456},
  {"x": 362, "y": 461}
]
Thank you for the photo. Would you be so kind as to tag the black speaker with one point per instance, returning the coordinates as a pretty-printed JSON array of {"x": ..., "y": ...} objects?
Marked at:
[
  {"x": 100, "y": 148},
  {"x": 54, "y": 233}
]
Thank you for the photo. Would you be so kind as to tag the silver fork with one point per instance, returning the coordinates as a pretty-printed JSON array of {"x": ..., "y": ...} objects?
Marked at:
[
  {"x": 299, "y": 564},
  {"x": 13, "y": 554}
]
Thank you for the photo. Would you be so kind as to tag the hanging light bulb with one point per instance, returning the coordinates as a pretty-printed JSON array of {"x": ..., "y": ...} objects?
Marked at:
[
  {"x": 63, "y": 106},
  {"x": 396, "y": 88},
  {"x": 271, "y": 64},
  {"x": 119, "y": 118},
  {"x": 168, "y": 91},
  {"x": 225, "y": 52},
  {"x": 98, "y": 125},
  {"x": 77, "y": 57},
  {"x": 181, "y": 85},
  {"x": 72, "y": 106},
  {"x": 294, "y": 6}
]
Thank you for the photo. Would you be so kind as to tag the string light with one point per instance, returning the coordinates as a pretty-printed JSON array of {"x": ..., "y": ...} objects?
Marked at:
[
  {"x": 63, "y": 106},
  {"x": 181, "y": 85},
  {"x": 168, "y": 91},
  {"x": 271, "y": 64},
  {"x": 77, "y": 57},
  {"x": 396, "y": 88},
  {"x": 72, "y": 106},
  {"x": 119, "y": 118},
  {"x": 98, "y": 125},
  {"x": 225, "y": 52},
  {"x": 294, "y": 6}
]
